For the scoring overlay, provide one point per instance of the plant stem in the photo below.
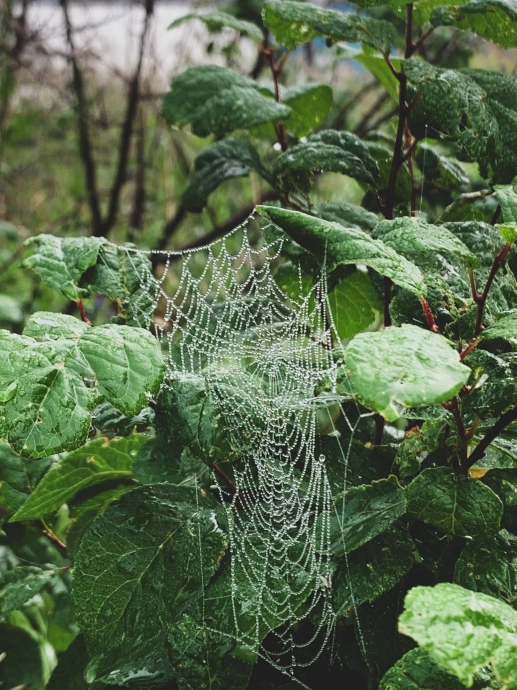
(479, 451)
(82, 312)
(276, 71)
(429, 315)
(481, 299)
(462, 443)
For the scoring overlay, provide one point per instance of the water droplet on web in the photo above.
(322, 458)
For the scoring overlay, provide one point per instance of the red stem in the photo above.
(82, 312)
(429, 315)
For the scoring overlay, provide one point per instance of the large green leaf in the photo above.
(416, 240)
(161, 462)
(505, 327)
(493, 20)
(310, 103)
(19, 585)
(457, 505)
(216, 21)
(491, 567)
(338, 245)
(443, 171)
(363, 512)
(69, 672)
(222, 161)
(48, 389)
(398, 368)
(61, 262)
(417, 671)
(372, 569)
(507, 197)
(503, 482)
(463, 631)
(294, 24)
(346, 214)
(354, 305)
(94, 463)
(18, 477)
(202, 659)
(418, 443)
(216, 100)
(328, 151)
(153, 550)
(474, 108)
(24, 665)
(378, 66)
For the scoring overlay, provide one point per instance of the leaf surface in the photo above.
(456, 505)
(354, 305)
(294, 24)
(222, 161)
(417, 671)
(493, 20)
(400, 368)
(19, 585)
(216, 100)
(339, 245)
(364, 512)
(216, 21)
(443, 618)
(94, 463)
(145, 547)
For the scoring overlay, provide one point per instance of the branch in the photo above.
(481, 299)
(127, 130)
(276, 71)
(479, 451)
(85, 146)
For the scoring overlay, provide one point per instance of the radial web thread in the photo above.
(269, 362)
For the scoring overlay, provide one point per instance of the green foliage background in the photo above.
(376, 141)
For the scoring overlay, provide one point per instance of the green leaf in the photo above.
(216, 100)
(493, 20)
(354, 305)
(469, 207)
(416, 240)
(383, 155)
(19, 585)
(126, 277)
(503, 482)
(489, 567)
(95, 463)
(474, 108)
(447, 621)
(372, 569)
(328, 151)
(216, 21)
(160, 462)
(443, 171)
(364, 512)
(378, 67)
(347, 215)
(45, 325)
(417, 671)
(24, 664)
(69, 672)
(17, 478)
(222, 161)
(505, 327)
(10, 310)
(483, 240)
(418, 443)
(145, 548)
(202, 659)
(507, 197)
(456, 505)
(87, 506)
(61, 262)
(310, 103)
(339, 245)
(48, 389)
(294, 24)
(107, 419)
(404, 367)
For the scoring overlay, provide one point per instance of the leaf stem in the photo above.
(481, 299)
(429, 315)
(82, 312)
(276, 71)
(479, 451)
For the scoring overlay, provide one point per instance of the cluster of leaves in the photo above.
(107, 487)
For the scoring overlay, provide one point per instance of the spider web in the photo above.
(270, 364)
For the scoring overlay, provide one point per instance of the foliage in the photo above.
(115, 565)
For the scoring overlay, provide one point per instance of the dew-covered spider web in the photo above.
(269, 363)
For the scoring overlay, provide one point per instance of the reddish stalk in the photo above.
(429, 315)
(481, 299)
(82, 312)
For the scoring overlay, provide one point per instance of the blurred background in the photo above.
(84, 149)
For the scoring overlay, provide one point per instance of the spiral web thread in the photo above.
(268, 361)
